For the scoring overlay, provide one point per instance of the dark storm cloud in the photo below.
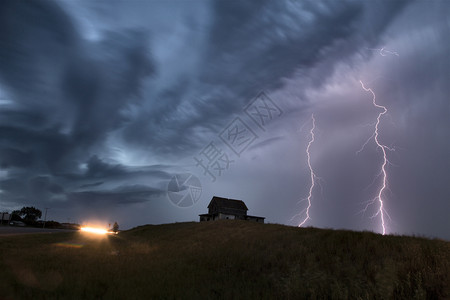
(122, 195)
(75, 92)
(33, 36)
(71, 93)
(253, 46)
(63, 84)
(68, 94)
(67, 190)
(100, 89)
(266, 142)
(13, 157)
(102, 101)
(91, 184)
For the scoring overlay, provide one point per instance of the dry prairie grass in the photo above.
(224, 260)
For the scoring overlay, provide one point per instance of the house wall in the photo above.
(222, 216)
(232, 211)
(208, 218)
(255, 219)
(213, 209)
(226, 216)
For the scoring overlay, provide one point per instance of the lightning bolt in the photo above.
(379, 198)
(384, 52)
(311, 171)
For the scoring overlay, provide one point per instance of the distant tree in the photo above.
(115, 227)
(52, 224)
(30, 214)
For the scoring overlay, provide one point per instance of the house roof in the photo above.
(228, 203)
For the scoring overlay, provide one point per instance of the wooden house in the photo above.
(228, 209)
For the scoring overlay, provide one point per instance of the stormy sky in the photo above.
(140, 111)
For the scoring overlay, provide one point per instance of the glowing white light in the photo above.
(384, 52)
(94, 230)
(381, 211)
(311, 171)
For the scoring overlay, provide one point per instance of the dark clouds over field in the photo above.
(102, 102)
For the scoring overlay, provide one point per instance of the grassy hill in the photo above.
(224, 260)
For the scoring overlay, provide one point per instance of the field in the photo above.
(224, 260)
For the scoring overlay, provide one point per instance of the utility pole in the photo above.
(45, 217)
